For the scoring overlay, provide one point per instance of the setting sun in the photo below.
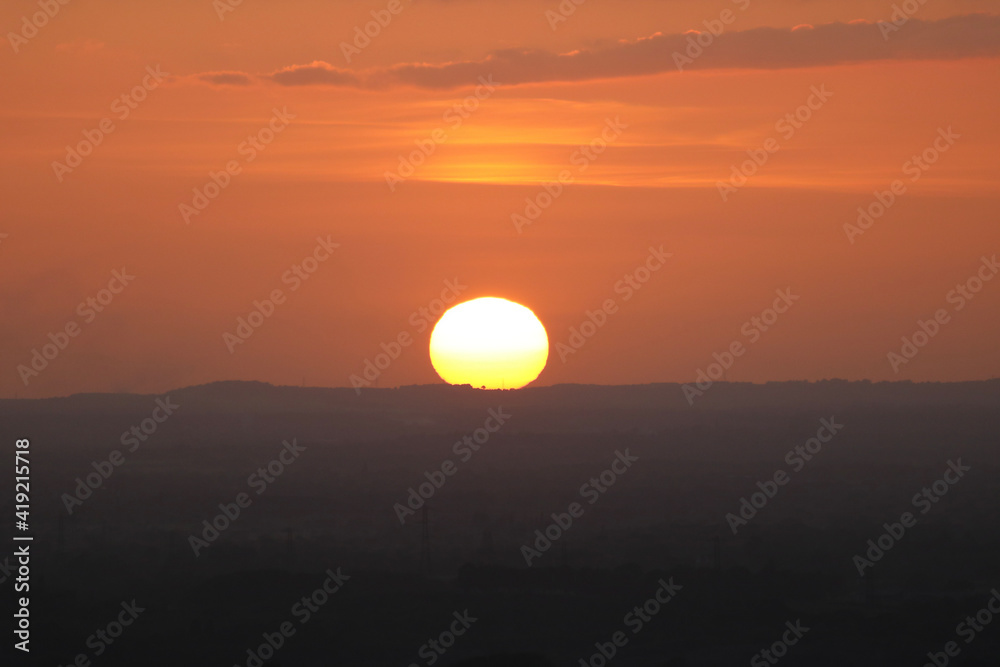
(489, 342)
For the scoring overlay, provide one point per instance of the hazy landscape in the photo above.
(336, 512)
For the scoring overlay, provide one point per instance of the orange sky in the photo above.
(892, 92)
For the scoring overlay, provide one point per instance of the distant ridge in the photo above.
(243, 396)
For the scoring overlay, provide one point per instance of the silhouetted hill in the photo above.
(656, 481)
(237, 396)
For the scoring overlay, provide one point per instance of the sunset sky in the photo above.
(644, 129)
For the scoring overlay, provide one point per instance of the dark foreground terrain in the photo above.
(682, 535)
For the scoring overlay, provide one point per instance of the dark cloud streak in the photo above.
(975, 35)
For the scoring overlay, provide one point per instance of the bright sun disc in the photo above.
(489, 342)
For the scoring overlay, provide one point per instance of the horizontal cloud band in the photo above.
(975, 35)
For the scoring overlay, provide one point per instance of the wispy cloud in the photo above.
(316, 73)
(226, 78)
(976, 35)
